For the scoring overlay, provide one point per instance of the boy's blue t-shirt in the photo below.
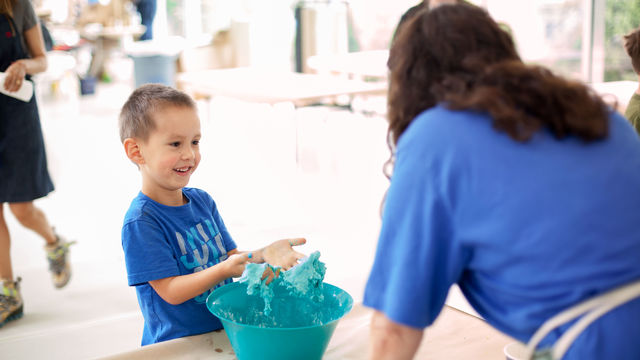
(161, 241)
(525, 229)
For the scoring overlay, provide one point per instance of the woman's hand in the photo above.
(36, 63)
(235, 264)
(15, 75)
(281, 253)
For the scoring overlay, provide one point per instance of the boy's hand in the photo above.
(235, 264)
(270, 275)
(281, 253)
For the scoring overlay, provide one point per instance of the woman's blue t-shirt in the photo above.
(161, 241)
(525, 229)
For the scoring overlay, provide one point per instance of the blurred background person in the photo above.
(632, 46)
(24, 176)
(147, 11)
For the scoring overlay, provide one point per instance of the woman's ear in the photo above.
(132, 149)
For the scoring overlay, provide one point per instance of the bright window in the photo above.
(621, 17)
(546, 32)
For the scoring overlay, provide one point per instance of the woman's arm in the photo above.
(392, 341)
(35, 46)
(177, 289)
(36, 64)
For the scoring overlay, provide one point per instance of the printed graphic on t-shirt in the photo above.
(201, 247)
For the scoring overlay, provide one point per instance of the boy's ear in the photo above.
(132, 149)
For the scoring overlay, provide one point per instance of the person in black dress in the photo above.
(24, 176)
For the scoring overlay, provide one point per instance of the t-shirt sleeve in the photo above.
(148, 254)
(416, 260)
(635, 121)
(632, 113)
(29, 18)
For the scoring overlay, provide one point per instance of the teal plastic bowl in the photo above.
(295, 329)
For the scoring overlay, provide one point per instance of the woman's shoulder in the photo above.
(453, 117)
(623, 127)
(440, 125)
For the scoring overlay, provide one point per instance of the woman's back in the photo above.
(517, 184)
(541, 224)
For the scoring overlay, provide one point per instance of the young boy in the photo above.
(177, 248)
(632, 45)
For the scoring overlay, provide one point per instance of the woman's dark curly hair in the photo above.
(459, 56)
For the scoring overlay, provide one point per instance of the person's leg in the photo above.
(33, 218)
(11, 305)
(147, 10)
(6, 271)
(10, 299)
(57, 247)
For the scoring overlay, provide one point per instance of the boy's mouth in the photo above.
(183, 170)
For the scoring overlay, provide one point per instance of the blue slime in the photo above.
(296, 298)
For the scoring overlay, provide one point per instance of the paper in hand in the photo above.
(24, 93)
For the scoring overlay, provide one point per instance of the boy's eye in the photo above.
(175, 144)
(196, 142)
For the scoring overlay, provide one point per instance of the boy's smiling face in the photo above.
(171, 154)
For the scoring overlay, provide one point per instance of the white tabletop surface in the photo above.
(361, 64)
(268, 86)
(454, 335)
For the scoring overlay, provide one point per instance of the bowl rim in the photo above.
(236, 284)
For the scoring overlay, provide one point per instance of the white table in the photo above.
(454, 335)
(262, 85)
(268, 86)
(356, 65)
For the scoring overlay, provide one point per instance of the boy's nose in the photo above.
(189, 153)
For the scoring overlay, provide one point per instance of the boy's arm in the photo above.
(177, 289)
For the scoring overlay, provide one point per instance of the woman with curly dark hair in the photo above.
(632, 46)
(518, 185)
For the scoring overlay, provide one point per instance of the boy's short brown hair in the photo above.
(136, 116)
(632, 46)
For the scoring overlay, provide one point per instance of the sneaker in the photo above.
(58, 264)
(10, 301)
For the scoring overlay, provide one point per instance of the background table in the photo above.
(356, 65)
(268, 86)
